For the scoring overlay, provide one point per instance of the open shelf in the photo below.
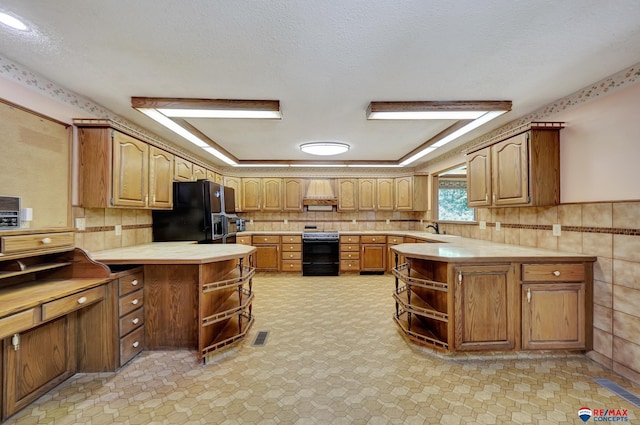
(402, 272)
(419, 331)
(232, 279)
(229, 308)
(234, 331)
(17, 268)
(418, 305)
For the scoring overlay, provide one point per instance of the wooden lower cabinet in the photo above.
(291, 253)
(373, 255)
(486, 300)
(267, 257)
(44, 358)
(349, 253)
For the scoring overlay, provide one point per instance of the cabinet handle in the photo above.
(373, 239)
(529, 295)
(46, 241)
(82, 300)
(494, 198)
(459, 278)
(135, 302)
(135, 321)
(15, 341)
(134, 282)
(556, 273)
(486, 197)
(290, 265)
(135, 344)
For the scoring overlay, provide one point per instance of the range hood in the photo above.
(320, 195)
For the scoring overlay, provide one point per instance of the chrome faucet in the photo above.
(434, 226)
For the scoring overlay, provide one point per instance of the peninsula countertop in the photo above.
(172, 253)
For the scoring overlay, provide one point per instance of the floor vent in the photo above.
(617, 389)
(261, 339)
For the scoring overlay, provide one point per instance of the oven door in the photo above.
(320, 257)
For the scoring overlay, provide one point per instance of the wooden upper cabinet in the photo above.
(183, 170)
(251, 193)
(523, 170)
(236, 184)
(272, 194)
(479, 178)
(293, 194)
(404, 193)
(347, 194)
(385, 194)
(367, 194)
(131, 171)
(214, 177)
(160, 178)
(199, 172)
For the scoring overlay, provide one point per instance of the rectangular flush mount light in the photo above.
(210, 108)
(434, 110)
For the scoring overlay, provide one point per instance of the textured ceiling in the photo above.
(324, 60)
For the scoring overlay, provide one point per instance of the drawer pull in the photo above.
(373, 239)
(291, 265)
(135, 344)
(556, 273)
(15, 341)
(135, 302)
(134, 282)
(46, 241)
(529, 295)
(82, 300)
(135, 321)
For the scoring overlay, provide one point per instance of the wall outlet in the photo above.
(353, 221)
(286, 221)
(118, 229)
(483, 225)
(251, 221)
(81, 223)
(557, 230)
(388, 221)
(498, 226)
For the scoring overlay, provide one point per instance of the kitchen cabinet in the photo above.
(214, 177)
(267, 256)
(271, 194)
(522, 170)
(236, 184)
(130, 314)
(411, 193)
(199, 172)
(293, 194)
(391, 258)
(385, 194)
(183, 170)
(349, 253)
(251, 194)
(486, 300)
(554, 306)
(291, 253)
(373, 254)
(115, 170)
(347, 194)
(367, 195)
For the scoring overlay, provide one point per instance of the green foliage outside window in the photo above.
(452, 201)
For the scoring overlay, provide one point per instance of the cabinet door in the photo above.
(267, 257)
(485, 307)
(272, 194)
(44, 358)
(404, 193)
(160, 178)
(236, 184)
(385, 194)
(367, 194)
(130, 171)
(373, 257)
(251, 191)
(292, 198)
(347, 194)
(479, 178)
(183, 171)
(199, 172)
(553, 316)
(511, 171)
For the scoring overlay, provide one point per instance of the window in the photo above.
(452, 196)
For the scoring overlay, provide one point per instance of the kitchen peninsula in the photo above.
(472, 295)
(196, 296)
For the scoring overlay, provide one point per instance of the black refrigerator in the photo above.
(197, 214)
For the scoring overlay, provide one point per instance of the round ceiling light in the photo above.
(324, 148)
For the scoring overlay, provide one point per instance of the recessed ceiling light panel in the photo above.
(324, 148)
(12, 22)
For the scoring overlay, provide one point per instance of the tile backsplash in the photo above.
(100, 228)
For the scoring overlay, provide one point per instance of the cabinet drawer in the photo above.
(347, 265)
(20, 243)
(553, 272)
(131, 302)
(291, 265)
(395, 239)
(350, 247)
(72, 302)
(293, 247)
(243, 240)
(130, 283)
(269, 239)
(292, 239)
(17, 323)
(131, 321)
(292, 255)
(373, 239)
(349, 239)
(131, 345)
(355, 255)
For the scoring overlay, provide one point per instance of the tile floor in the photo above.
(333, 356)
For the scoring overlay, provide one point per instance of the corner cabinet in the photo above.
(520, 170)
(236, 184)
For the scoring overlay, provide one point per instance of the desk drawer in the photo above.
(130, 302)
(131, 321)
(553, 272)
(131, 345)
(17, 323)
(130, 283)
(72, 302)
(20, 243)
